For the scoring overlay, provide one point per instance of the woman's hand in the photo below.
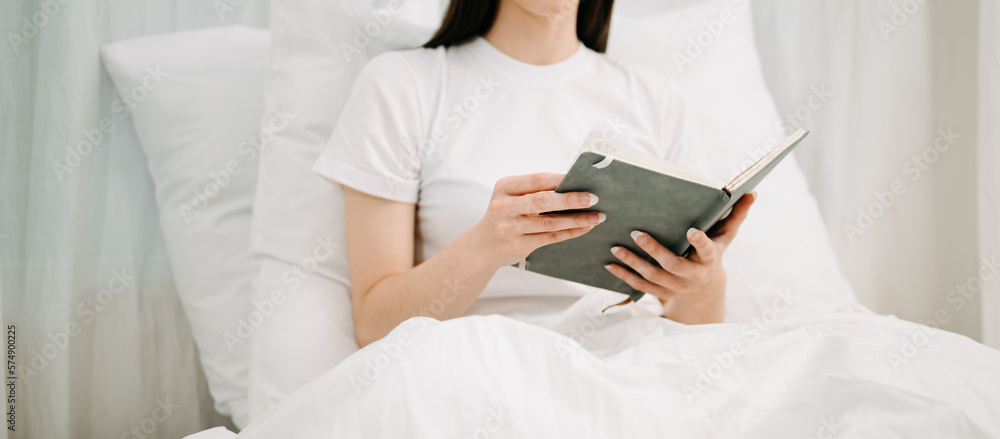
(692, 289)
(512, 227)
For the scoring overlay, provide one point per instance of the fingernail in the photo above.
(692, 234)
(754, 193)
(600, 217)
(607, 267)
(615, 250)
(592, 200)
(638, 237)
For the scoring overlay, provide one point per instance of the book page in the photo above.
(619, 151)
(771, 155)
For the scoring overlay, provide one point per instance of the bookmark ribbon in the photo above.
(604, 163)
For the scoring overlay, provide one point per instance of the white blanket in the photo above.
(851, 374)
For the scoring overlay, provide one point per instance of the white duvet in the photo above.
(851, 374)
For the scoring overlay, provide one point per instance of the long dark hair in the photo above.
(467, 19)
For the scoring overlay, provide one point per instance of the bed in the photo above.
(797, 356)
(831, 375)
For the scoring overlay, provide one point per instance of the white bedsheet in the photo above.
(849, 374)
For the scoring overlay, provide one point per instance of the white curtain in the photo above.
(915, 223)
(988, 178)
(90, 363)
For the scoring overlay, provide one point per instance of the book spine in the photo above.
(711, 216)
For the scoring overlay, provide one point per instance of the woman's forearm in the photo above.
(387, 289)
(442, 287)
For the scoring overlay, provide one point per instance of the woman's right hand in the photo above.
(512, 227)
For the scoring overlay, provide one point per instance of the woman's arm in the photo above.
(386, 287)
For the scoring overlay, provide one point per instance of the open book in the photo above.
(640, 192)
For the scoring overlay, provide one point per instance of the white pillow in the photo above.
(318, 48)
(197, 99)
(782, 253)
(308, 333)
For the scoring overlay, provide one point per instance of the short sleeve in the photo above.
(680, 135)
(373, 147)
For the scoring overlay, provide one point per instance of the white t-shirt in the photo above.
(439, 127)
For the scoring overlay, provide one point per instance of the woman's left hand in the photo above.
(692, 289)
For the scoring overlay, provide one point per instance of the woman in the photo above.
(446, 155)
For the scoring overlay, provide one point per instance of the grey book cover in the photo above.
(640, 192)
